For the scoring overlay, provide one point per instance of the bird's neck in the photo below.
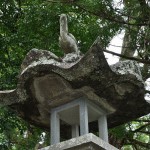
(63, 28)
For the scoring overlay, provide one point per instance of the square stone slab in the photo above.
(85, 142)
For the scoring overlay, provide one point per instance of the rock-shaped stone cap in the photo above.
(47, 81)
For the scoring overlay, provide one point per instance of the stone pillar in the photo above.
(55, 127)
(103, 129)
(84, 128)
(75, 131)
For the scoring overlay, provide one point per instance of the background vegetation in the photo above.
(27, 24)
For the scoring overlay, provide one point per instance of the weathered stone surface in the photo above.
(127, 67)
(38, 55)
(85, 142)
(8, 97)
(47, 81)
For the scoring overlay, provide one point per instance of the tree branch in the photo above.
(146, 91)
(148, 133)
(146, 145)
(142, 120)
(143, 3)
(102, 14)
(61, 1)
(142, 127)
(127, 57)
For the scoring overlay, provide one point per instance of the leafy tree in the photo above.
(27, 24)
(133, 135)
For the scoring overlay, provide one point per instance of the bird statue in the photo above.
(67, 41)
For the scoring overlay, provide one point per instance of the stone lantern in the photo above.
(78, 113)
(83, 92)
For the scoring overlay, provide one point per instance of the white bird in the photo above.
(67, 41)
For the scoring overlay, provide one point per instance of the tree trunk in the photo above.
(129, 41)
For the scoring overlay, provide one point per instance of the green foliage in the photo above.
(119, 131)
(35, 24)
(134, 135)
(31, 24)
(16, 134)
